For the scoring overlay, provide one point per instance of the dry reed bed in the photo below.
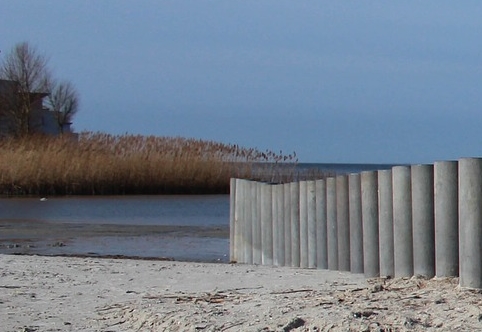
(106, 164)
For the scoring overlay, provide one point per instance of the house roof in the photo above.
(5, 84)
(35, 95)
(10, 85)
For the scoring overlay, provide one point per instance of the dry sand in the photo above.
(92, 294)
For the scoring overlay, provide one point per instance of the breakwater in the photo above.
(408, 220)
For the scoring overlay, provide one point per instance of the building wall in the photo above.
(42, 120)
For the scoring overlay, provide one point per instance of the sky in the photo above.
(333, 81)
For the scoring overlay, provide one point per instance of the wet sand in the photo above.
(191, 243)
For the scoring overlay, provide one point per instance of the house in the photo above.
(44, 121)
(41, 120)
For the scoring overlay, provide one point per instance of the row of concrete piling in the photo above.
(409, 220)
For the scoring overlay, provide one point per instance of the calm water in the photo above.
(177, 227)
(207, 210)
(192, 228)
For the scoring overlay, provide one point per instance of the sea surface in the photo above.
(184, 228)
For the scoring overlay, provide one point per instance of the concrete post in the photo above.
(281, 225)
(446, 219)
(303, 225)
(423, 220)
(275, 225)
(311, 206)
(343, 221)
(295, 223)
(356, 228)
(266, 224)
(256, 215)
(287, 222)
(321, 245)
(232, 223)
(470, 222)
(385, 223)
(371, 254)
(248, 222)
(332, 229)
(239, 220)
(402, 221)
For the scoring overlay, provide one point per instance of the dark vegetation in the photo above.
(27, 86)
(103, 164)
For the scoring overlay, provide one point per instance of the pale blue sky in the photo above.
(335, 81)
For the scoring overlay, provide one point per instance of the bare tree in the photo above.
(27, 73)
(63, 100)
(8, 103)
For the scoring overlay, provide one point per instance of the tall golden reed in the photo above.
(106, 164)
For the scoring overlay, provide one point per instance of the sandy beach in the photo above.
(39, 293)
